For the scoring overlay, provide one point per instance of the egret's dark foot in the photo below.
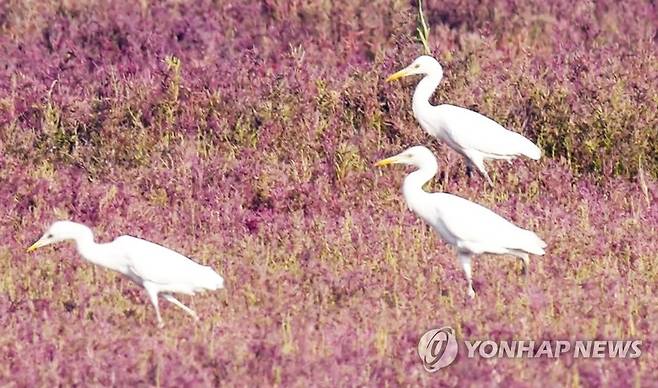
(525, 261)
(469, 171)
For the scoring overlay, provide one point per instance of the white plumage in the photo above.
(471, 228)
(152, 266)
(476, 137)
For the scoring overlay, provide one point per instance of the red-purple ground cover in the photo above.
(243, 134)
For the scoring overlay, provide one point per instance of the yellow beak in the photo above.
(386, 162)
(398, 75)
(34, 246)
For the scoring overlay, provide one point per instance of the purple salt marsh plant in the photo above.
(255, 155)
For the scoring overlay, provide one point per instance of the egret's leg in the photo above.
(478, 162)
(465, 260)
(175, 301)
(486, 176)
(153, 295)
(525, 260)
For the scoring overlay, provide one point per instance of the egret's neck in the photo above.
(413, 183)
(424, 91)
(99, 254)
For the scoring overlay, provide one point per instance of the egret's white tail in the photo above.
(531, 150)
(520, 145)
(534, 244)
(211, 280)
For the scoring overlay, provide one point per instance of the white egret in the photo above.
(471, 228)
(476, 137)
(152, 266)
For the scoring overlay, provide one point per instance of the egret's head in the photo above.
(60, 231)
(422, 65)
(418, 156)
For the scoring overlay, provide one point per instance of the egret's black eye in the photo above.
(50, 235)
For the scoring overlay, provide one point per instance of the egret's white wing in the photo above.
(476, 226)
(470, 130)
(157, 264)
